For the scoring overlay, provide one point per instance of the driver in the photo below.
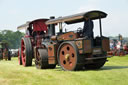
(88, 28)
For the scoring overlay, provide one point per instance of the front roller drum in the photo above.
(69, 58)
(26, 51)
(41, 60)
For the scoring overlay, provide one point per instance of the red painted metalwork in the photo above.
(39, 40)
(23, 55)
(39, 25)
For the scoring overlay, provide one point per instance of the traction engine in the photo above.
(70, 50)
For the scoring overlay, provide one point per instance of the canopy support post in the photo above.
(100, 25)
(60, 27)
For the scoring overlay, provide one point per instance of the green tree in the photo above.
(12, 38)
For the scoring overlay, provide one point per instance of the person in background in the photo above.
(118, 45)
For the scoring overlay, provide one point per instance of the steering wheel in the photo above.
(80, 30)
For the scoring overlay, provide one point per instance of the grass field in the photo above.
(115, 72)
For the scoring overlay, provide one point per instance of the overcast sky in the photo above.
(16, 12)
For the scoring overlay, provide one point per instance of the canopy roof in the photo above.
(36, 23)
(78, 17)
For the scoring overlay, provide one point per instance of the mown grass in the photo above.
(115, 72)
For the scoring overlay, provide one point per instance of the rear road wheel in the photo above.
(26, 52)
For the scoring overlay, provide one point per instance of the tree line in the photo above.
(12, 38)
